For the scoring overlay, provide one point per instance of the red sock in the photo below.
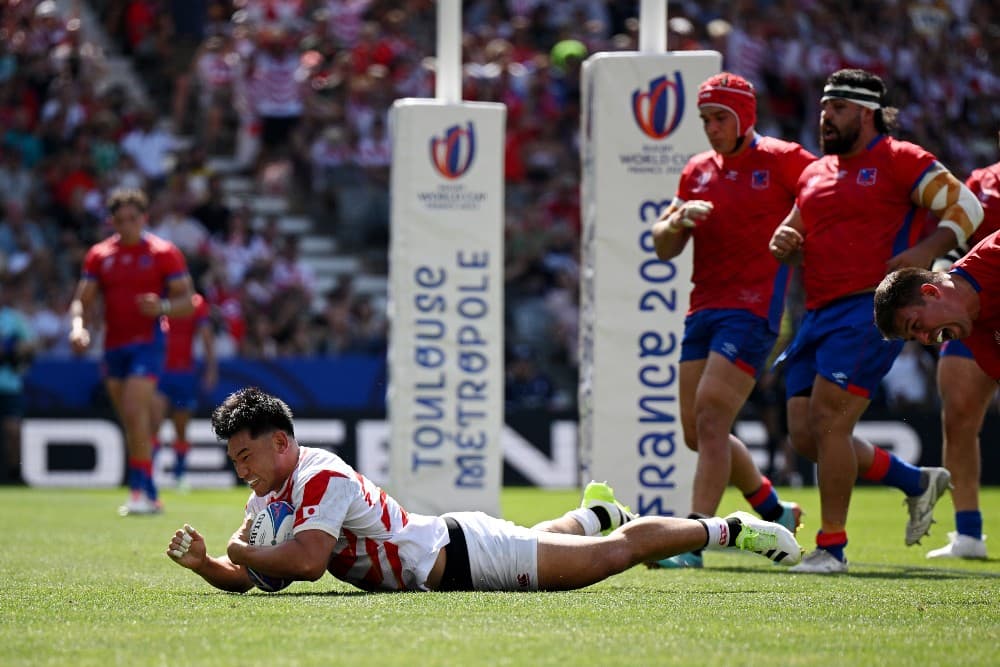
(879, 467)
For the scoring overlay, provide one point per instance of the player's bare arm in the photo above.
(179, 301)
(304, 557)
(673, 229)
(786, 242)
(86, 294)
(187, 548)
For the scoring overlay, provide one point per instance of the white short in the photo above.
(502, 555)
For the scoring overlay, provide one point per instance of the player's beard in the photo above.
(843, 140)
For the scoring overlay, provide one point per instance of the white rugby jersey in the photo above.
(380, 546)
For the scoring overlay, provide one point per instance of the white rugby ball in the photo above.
(272, 526)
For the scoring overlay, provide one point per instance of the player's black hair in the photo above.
(252, 410)
(900, 289)
(885, 118)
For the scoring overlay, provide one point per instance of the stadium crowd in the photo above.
(295, 94)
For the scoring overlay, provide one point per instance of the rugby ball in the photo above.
(271, 526)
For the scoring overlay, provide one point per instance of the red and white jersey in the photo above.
(857, 213)
(380, 546)
(985, 184)
(344, 20)
(122, 273)
(751, 194)
(981, 267)
(217, 70)
(276, 85)
(180, 336)
(285, 12)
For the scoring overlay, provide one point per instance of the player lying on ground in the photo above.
(346, 525)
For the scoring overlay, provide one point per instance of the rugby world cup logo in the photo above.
(658, 111)
(452, 154)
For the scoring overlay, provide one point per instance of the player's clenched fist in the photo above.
(687, 215)
(785, 242)
(187, 547)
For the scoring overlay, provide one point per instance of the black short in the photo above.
(457, 575)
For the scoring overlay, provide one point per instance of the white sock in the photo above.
(718, 532)
(587, 519)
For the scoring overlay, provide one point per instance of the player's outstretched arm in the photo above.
(187, 549)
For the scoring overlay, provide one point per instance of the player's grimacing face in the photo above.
(933, 321)
(839, 126)
(720, 128)
(254, 461)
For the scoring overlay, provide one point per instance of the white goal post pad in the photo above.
(446, 352)
(640, 126)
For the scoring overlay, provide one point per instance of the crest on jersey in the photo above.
(760, 179)
(658, 110)
(867, 176)
(452, 154)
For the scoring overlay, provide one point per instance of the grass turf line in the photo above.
(83, 586)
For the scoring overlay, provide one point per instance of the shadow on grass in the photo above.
(873, 571)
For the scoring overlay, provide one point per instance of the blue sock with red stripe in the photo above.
(181, 449)
(765, 500)
(134, 477)
(140, 477)
(891, 470)
(969, 522)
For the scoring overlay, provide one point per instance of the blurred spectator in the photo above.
(17, 348)
(151, 147)
(16, 181)
(23, 242)
(527, 386)
(295, 94)
(275, 88)
(213, 212)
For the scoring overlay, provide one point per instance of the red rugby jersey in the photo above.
(123, 273)
(981, 266)
(857, 214)
(180, 336)
(985, 184)
(751, 194)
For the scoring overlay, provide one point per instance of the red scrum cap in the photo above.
(732, 93)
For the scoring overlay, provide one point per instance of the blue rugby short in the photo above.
(180, 388)
(138, 360)
(738, 335)
(841, 343)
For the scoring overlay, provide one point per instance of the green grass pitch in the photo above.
(82, 586)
